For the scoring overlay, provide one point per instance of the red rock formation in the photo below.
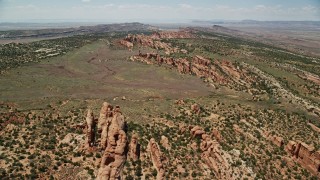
(217, 135)
(162, 45)
(169, 61)
(229, 69)
(289, 161)
(106, 120)
(197, 131)
(212, 154)
(222, 72)
(134, 148)
(305, 155)
(182, 128)
(202, 67)
(154, 40)
(314, 127)
(199, 66)
(290, 147)
(156, 157)
(115, 153)
(165, 142)
(309, 76)
(235, 73)
(200, 71)
(142, 40)
(276, 140)
(195, 108)
(127, 44)
(90, 124)
(201, 61)
(180, 102)
(103, 115)
(149, 58)
(182, 65)
(114, 156)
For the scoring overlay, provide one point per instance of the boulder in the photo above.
(182, 128)
(165, 142)
(197, 131)
(195, 108)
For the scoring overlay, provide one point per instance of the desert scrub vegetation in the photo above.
(16, 54)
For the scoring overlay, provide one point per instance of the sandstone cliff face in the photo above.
(182, 65)
(156, 158)
(305, 155)
(224, 72)
(201, 61)
(140, 40)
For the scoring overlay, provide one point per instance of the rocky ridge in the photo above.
(221, 72)
(238, 76)
(154, 40)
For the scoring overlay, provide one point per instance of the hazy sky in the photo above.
(160, 10)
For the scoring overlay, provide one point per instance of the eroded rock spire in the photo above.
(90, 124)
(114, 143)
(156, 157)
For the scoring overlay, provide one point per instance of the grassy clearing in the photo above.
(94, 72)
